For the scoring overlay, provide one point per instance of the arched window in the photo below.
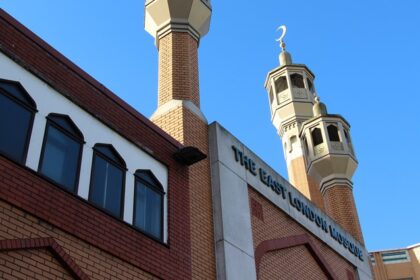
(333, 133)
(148, 204)
(297, 81)
(17, 110)
(281, 84)
(61, 151)
(107, 179)
(316, 136)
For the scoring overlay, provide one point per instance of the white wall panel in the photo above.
(49, 101)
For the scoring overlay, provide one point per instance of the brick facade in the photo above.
(48, 233)
(32, 207)
(33, 54)
(282, 262)
(31, 264)
(407, 268)
(178, 68)
(178, 80)
(339, 205)
(42, 264)
(296, 260)
(300, 179)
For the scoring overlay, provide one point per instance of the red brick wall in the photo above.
(113, 247)
(93, 261)
(47, 64)
(31, 264)
(178, 68)
(304, 183)
(178, 79)
(294, 260)
(31, 207)
(284, 262)
(340, 205)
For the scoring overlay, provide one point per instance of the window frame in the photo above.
(122, 167)
(277, 84)
(333, 134)
(294, 77)
(392, 257)
(314, 138)
(32, 109)
(50, 122)
(160, 190)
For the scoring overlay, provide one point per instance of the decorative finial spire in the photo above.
(319, 108)
(285, 57)
(282, 44)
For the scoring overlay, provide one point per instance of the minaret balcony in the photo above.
(291, 94)
(327, 147)
(164, 16)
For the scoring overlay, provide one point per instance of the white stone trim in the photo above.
(176, 25)
(94, 131)
(231, 224)
(175, 103)
(332, 181)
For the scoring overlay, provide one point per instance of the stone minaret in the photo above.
(177, 26)
(291, 95)
(331, 161)
(317, 146)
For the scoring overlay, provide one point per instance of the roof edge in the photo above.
(86, 77)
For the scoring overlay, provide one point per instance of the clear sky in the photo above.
(365, 55)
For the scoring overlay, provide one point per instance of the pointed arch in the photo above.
(46, 243)
(292, 241)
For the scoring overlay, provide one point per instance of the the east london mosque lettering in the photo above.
(295, 202)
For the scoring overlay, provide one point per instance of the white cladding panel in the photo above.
(49, 101)
(228, 175)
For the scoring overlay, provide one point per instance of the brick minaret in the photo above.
(331, 162)
(291, 94)
(177, 26)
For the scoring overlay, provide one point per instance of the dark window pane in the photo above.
(60, 160)
(109, 152)
(333, 133)
(148, 211)
(66, 123)
(107, 185)
(297, 81)
(16, 90)
(15, 123)
(149, 178)
(317, 136)
(281, 84)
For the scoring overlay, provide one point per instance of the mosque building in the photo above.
(92, 189)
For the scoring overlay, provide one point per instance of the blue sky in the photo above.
(365, 55)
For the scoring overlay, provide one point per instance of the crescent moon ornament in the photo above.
(280, 39)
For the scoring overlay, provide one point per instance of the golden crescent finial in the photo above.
(280, 39)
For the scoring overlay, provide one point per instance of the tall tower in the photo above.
(177, 26)
(291, 93)
(317, 146)
(331, 161)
